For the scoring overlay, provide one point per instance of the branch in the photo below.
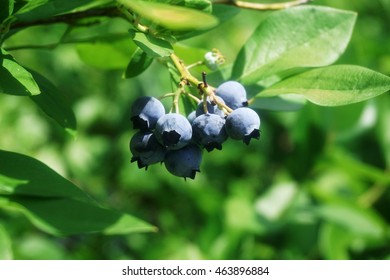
(70, 18)
(188, 79)
(262, 6)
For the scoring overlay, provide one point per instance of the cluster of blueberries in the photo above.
(178, 141)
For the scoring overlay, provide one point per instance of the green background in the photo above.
(316, 185)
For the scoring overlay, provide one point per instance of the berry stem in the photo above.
(205, 104)
(197, 100)
(220, 104)
(200, 62)
(185, 74)
(204, 89)
(250, 101)
(204, 79)
(170, 94)
(175, 102)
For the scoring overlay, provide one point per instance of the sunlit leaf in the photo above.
(25, 176)
(53, 203)
(169, 16)
(152, 46)
(304, 36)
(333, 85)
(14, 78)
(68, 216)
(108, 53)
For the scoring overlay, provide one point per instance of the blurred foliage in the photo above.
(316, 186)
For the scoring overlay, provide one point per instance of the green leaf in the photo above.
(15, 79)
(357, 168)
(6, 9)
(334, 242)
(171, 17)
(53, 104)
(304, 36)
(224, 12)
(382, 127)
(54, 204)
(360, 222)
(274, 204)
(5, 245)
(33, 245)
(200, 5)
(64, 216)
(25, 176)
(152, 46)
(139, 62)
(221, 12)
(333, 85)
(287, 102)
(106, 53)
(240, 215)
(40, 9)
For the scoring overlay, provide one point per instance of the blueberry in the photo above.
(184, 162)
(145, 112)
(212, 108)
(145, 149)
(191, 117)
(173, 131)
(233, 93)
(209, 131)
(243, 124)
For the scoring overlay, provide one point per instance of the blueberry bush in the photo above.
(275, 114)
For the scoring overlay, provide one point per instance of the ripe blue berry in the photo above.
(173, 131)
(145, 112)
(209, 131)
(212, 108)
(233, 93)
(184, 162)
(243, 124)
(191, 117)
(145, 149)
